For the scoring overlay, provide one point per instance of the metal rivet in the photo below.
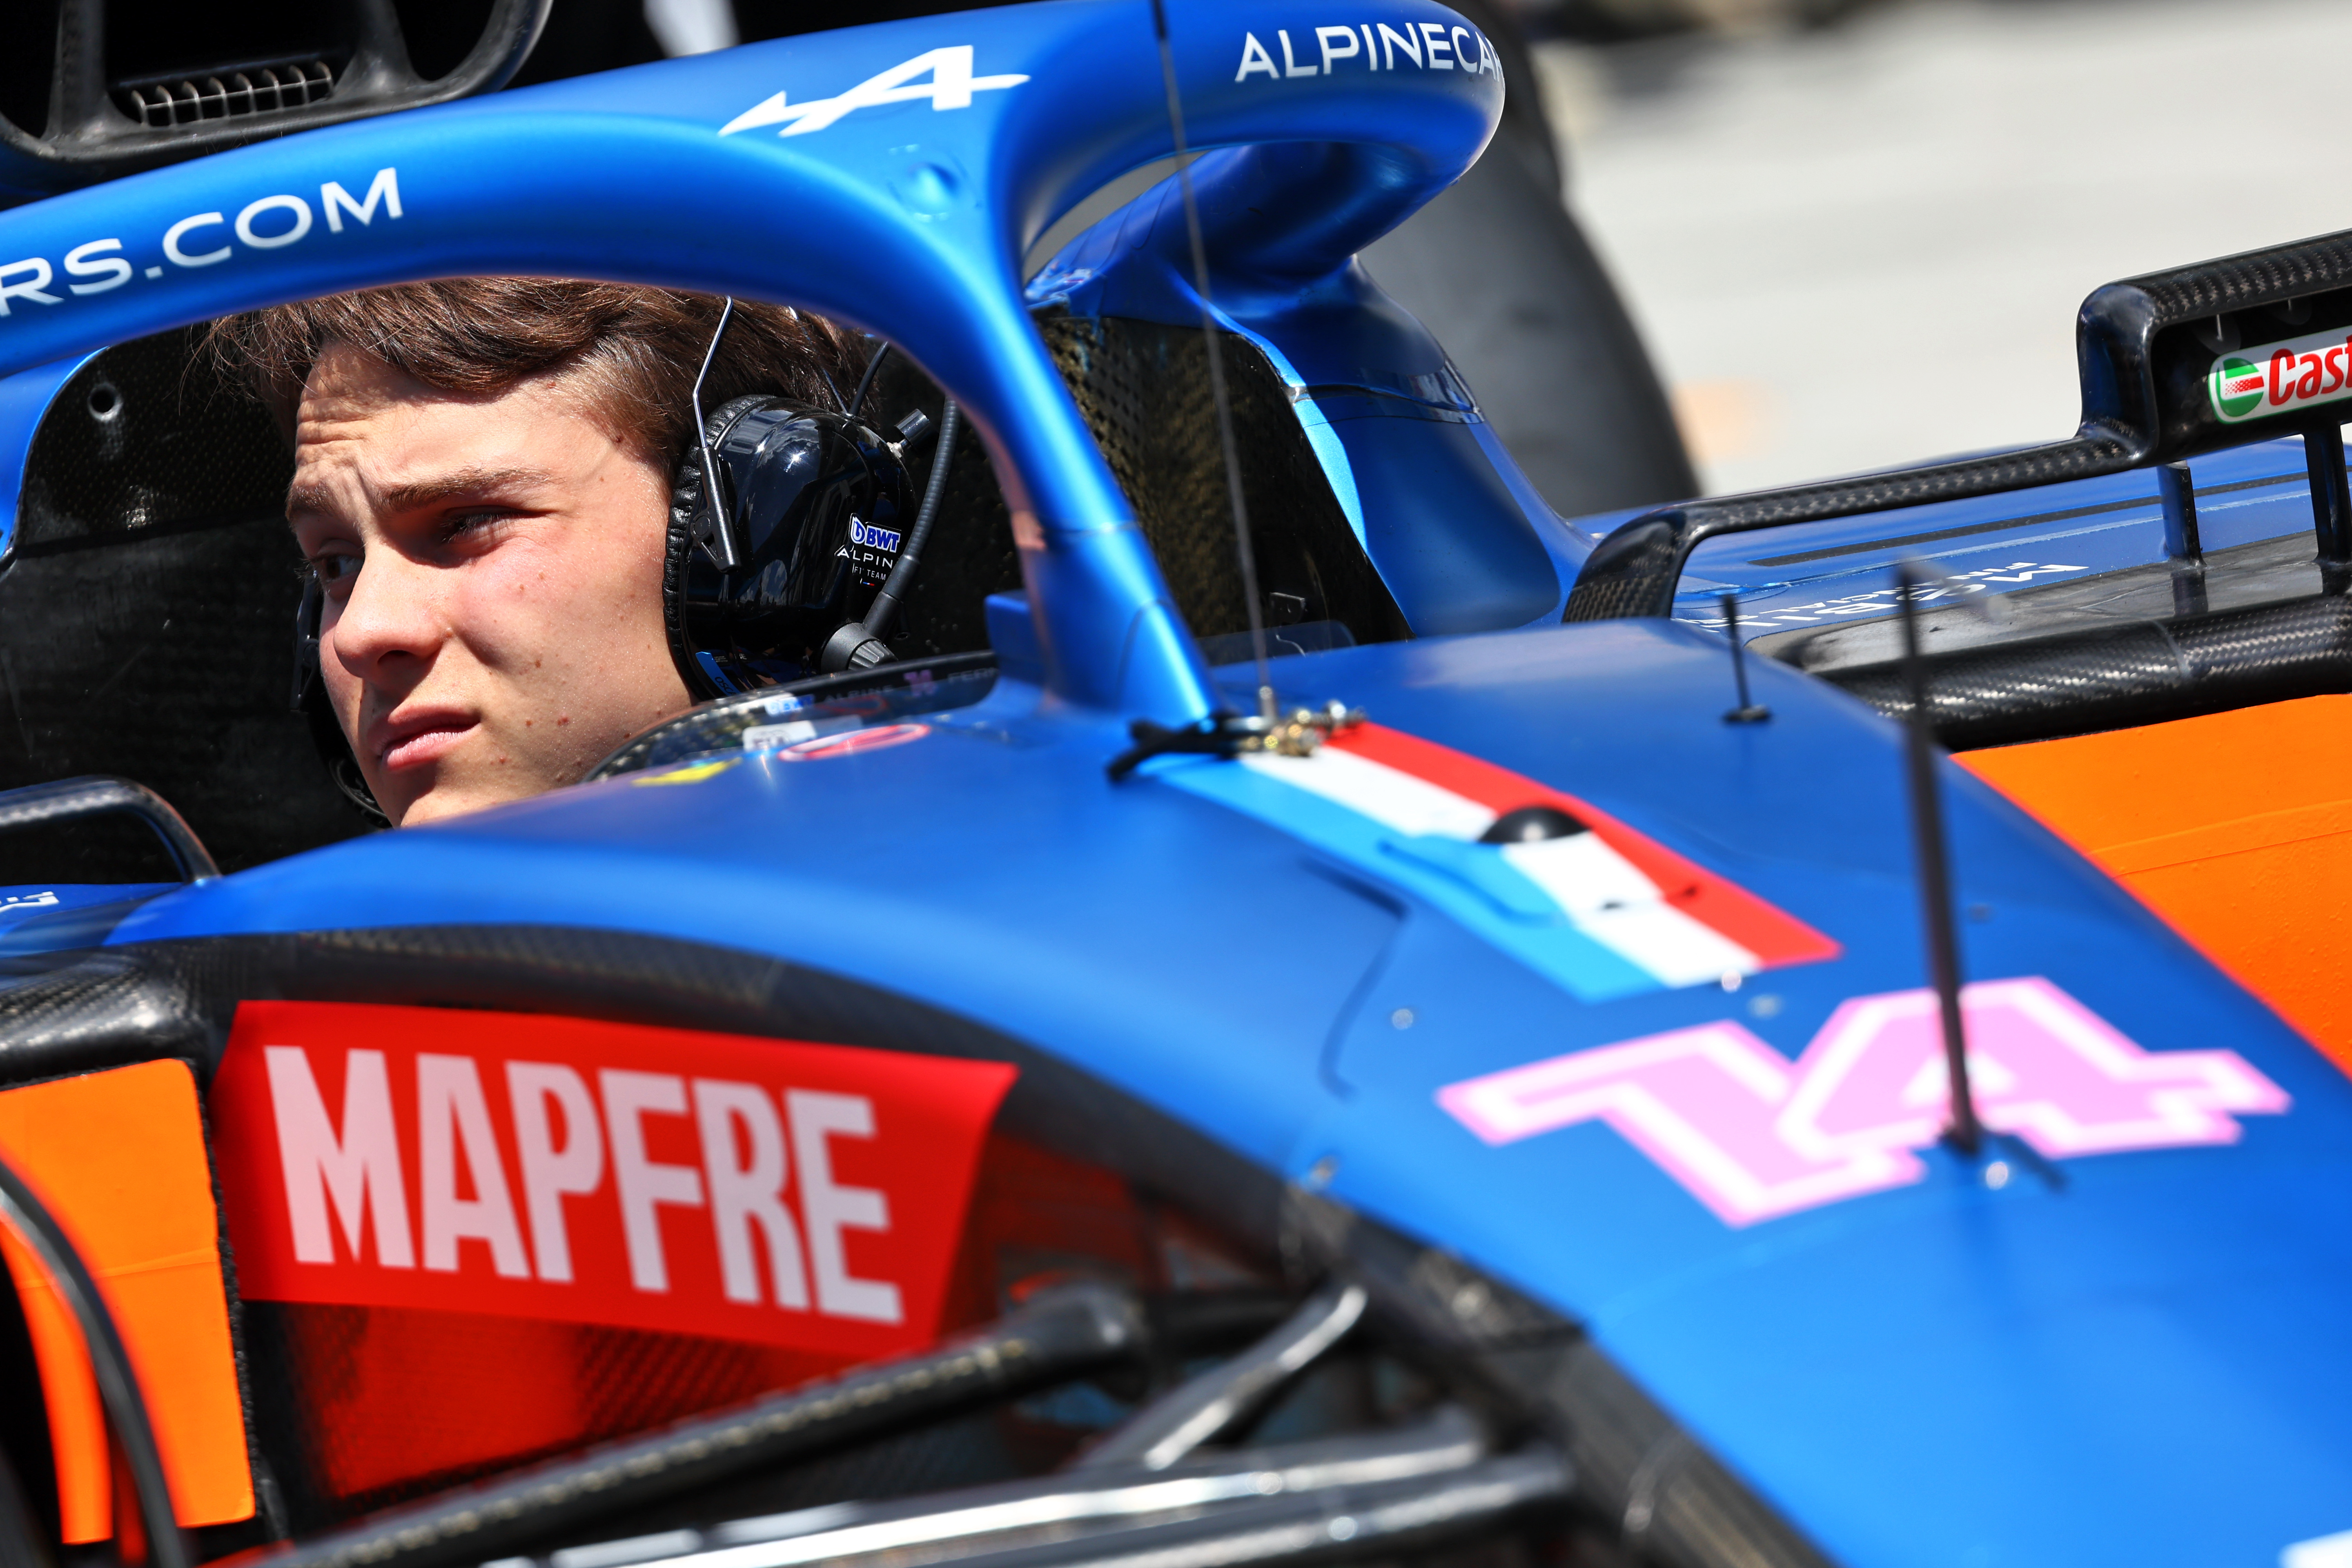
(1319, 1175)
(1764, 1006)
(1997, 1174)
(1402, 1017)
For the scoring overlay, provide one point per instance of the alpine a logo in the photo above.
(942, 76)
(2279, 376)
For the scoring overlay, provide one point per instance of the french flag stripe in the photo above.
(1362, 813)
(1737, 916)
(1603, 914)
(1604, 898)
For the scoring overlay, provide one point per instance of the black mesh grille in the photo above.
(146, 619)
(970, 553)
(145, 440)
(1144, 390)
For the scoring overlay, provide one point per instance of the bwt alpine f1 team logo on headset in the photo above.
(950, 85)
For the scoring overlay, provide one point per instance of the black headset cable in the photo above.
(865, 382)
(885, 608)
(859, 645)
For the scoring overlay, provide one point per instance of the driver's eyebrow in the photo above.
(302, 501)
(417, 494)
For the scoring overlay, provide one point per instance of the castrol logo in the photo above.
(2275, 377)
(781, 1192)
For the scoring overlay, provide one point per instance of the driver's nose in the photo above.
(392, 623)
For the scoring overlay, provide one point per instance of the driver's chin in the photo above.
(474, 774)
(442, 791)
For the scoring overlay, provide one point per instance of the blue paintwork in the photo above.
(45, 916)
(1910, 1376)
(2147, 1368)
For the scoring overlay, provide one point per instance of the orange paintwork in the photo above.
(119, 1158)
(2235, 827)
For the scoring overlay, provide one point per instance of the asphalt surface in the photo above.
(1865, 245)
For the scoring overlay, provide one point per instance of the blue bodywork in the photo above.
(2146, 1366)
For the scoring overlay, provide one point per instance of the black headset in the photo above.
(793, 536)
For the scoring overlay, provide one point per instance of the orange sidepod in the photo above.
(119, 1158)
(2235, 827)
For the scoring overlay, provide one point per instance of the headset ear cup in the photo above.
(684, 509)
(678, 553)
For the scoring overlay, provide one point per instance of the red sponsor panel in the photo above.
(810, 1196)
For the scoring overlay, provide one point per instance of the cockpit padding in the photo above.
(146, 620)
(147, 597)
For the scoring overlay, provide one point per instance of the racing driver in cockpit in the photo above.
(482, 485)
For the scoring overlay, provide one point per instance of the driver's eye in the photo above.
(335, 568)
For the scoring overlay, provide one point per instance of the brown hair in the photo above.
(633, 350)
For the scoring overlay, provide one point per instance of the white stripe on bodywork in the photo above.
(1601, 892)
(1397, 801)
(1611, 900)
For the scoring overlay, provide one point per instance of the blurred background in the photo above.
(1855, 236)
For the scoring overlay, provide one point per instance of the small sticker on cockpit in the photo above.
(827, 746)
(693, 772)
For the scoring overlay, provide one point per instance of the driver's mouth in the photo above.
(416, 740)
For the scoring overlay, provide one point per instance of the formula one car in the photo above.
(1522, 1080)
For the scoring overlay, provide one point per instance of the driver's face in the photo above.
(493, 574)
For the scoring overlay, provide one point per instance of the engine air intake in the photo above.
(160, 101)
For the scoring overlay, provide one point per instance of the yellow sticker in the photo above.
(693, 772)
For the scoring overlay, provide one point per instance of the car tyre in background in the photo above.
(1500, 272)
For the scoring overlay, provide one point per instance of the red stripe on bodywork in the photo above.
(1740, 916)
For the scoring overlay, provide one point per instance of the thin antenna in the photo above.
(1965, 1133)
(1747, 712)
(718, 539)
(1216, 363)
